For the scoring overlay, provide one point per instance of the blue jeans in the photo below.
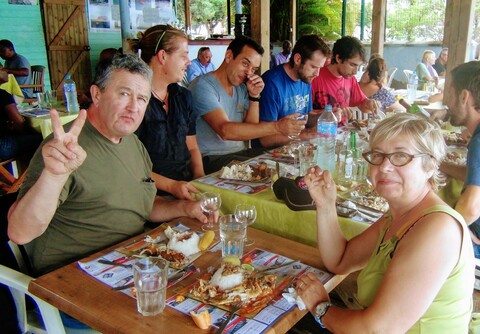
(13, 145)
(475, 228)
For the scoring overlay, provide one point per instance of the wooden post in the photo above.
(457, 34)
(378, 26)
(188, 24)
(260, 27)
(293, 21)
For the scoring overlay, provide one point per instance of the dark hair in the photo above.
(108, 53)
(156, 38)
(467, 76)
(5, 43)
(127, 62)
(348, 47)
(306, 47)
(236, 46)
(377, 70)
(203, 48)
(286, 43)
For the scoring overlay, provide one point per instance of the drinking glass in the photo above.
(232, 236)
(210, 203)
(150, 277)
(246, 213)
(51, 98)
(293, 152)
(300, 117)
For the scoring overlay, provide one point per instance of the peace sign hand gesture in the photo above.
(62, 155)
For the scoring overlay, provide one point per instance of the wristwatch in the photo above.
(320, 311)
(254, 99)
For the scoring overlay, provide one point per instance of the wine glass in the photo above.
(210, 202)
(246, 213)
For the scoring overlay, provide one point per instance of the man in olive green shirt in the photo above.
(90, 187)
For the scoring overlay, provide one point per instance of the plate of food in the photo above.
(454, 138)
(233, 282)
(251, 171)
(180, 248)
(367, 197)
(456, 156)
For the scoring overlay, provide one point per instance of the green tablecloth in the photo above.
(275, 217)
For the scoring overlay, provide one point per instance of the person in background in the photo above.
(16, 137)
(336, 84)
(104, 59)
(200, 65)
(416, 261)
(464, 110)
(441, 62)
(288, 87)
(17, 65)
(90, 187)
(425, 70)
(375, 89)
(168, 128)
(227, 103)
(284, 56)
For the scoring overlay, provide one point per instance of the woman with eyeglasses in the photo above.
(417, 260)
(168, 128)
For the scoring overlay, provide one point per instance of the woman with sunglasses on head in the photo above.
(417, 261)
(168, 128)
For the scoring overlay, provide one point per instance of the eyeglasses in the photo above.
(159, 40)
(397, 159)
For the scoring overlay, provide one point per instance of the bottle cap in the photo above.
(67, 76)
(328, 107)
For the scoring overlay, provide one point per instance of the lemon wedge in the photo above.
(206, 240)
(231, 259)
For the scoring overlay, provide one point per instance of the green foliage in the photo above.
(209, 12)
(323, 17)
(414, 20)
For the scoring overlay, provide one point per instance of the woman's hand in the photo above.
(312, 291)
(183, 190)
(321, 186)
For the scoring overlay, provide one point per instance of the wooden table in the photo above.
(96, 304)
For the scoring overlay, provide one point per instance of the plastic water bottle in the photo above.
(326, 140)
(412, 86)
(70, 92)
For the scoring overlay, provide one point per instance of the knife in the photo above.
(171, 280)
(113, 263)
(278, 266)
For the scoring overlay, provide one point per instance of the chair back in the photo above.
(38, 75)
(391, 74)
(38, 83)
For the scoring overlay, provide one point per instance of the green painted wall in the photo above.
(102, 40)
(23, 26)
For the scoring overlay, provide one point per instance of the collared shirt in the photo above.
(196, 69)
(164, 134)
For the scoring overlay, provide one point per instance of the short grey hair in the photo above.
(126, 62)
(426, 137)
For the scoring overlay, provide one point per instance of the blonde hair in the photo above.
(156, 38)
(426, 53)
(425, 135)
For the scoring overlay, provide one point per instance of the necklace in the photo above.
(160, 99)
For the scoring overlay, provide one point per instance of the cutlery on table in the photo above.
(113, 263)
(278, 266)
(175, 278)
(235, 308)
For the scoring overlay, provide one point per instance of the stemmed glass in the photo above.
(246, 213)
(210, 202)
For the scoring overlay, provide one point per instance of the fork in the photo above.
(235, 308)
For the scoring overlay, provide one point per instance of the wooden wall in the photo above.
(23, 26)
